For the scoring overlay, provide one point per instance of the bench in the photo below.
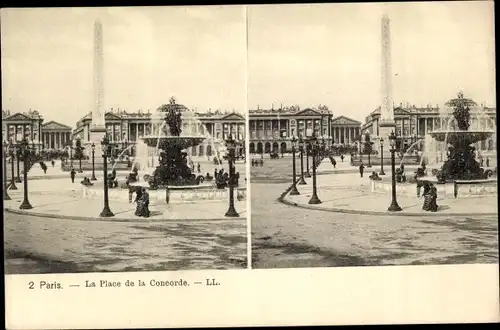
(483, 182)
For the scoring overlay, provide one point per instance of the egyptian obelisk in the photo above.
(386, 122)
(98, 127)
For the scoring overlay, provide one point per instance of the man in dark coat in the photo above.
(361, 169)
(73, 174)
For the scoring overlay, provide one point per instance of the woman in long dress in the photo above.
(138, 201)
(145, 203)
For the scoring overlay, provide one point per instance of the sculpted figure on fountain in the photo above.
(461, 163)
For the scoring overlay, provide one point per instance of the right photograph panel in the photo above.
(372, 134)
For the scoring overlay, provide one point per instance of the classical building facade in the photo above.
(55, 135)
(413, 123)
(345, 130)
(17, 126)
(272, 129)
(126, 129)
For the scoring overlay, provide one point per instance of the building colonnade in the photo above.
(346, 135)
(55, 140)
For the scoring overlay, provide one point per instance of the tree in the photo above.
(368, 147)
(79, 153)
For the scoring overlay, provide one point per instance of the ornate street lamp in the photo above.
(294, 190)
(394, 203)
(301, 148)
(314, 147)
(308, 153)
(18, 157)
(281, 149)
(71, 153)
(230, 144)
(12, 153)
(106, 212)
(78, 149)
(323, 147)
(125, 146)
(6, 196)
(382, 157)
(26, 153)
(93, 178)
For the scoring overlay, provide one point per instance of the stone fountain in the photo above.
(460, 174)
(173, 168)
(459, 138)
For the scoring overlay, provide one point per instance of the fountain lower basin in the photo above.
(458, 189)
(208, 194)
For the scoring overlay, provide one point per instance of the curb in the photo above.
(286, 201)
(133, 220)
(59, 176)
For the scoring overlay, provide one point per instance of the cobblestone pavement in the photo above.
(48, 245)
(287, 236)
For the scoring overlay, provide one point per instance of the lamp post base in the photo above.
(302, 181)
(25, 205)
(307, 175)
(13, 185)
(231, 212)
(294, 191)
(93, 178)
(314, 200)
(18, 180)
(106, 213)
(381, 172)
(394, 207)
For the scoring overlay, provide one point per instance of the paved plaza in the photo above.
(287, 235)
(349, 193)
(64, 233)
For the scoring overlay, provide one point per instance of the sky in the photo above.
(331, 54)
(229, 58)
(196, 54)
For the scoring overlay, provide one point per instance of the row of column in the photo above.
(345, 134)
(55, 140)
(268, 133)
(17, 132)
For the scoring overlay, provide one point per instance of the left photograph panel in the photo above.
(124, 139)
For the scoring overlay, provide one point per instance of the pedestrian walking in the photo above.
(342, 158)
(167, 194)
(73, 174)
(361, 169)
(487, 161)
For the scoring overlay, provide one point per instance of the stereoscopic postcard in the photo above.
(257, 165)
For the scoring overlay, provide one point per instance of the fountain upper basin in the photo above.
(457, 137)
(183, 142)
